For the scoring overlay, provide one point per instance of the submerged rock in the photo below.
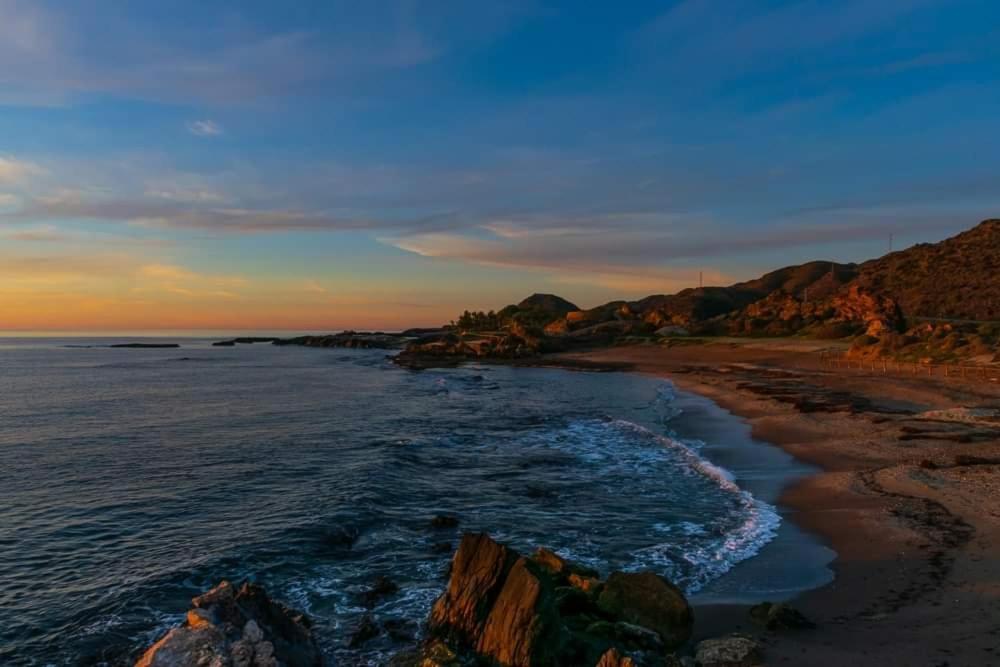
(366, 629)
(382, 587)
(444, 521)
(229, 627)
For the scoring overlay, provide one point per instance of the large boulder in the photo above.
(519, 611)
(230, 627)
(478, 572)
(648, 600)
(498, 604)
(523, 626)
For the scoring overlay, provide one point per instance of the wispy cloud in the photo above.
(44, 234)
(47, 54)
(183, 281)
(204, 128)
(14, 171)
(313, 287)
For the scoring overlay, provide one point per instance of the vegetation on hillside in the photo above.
(925, 303)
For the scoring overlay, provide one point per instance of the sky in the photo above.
(329, 165)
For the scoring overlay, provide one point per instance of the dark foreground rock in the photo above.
(230, 627)
(779, 616)
(732, 651)
(519, 611)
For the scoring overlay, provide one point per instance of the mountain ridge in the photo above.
(931, 301)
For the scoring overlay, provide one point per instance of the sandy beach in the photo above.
(917, 532)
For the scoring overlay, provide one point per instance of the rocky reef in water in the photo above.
(500, 609)
(348, 339)
(237, 627)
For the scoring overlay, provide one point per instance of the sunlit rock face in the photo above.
(521, 611)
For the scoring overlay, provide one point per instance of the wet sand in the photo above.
(917, 537)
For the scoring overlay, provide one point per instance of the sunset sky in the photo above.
(265, 165)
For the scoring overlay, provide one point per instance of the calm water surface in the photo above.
(132, 479)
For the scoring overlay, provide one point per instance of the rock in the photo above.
(252, 632)
(779, 617)
(198, 618)
(399, 629)
(382, 587)
(558, 565)
(433, 653)
(441, 547)
(639, 637)
(242, 653)
(339, 537)
(479, 570)
(444, 521)
(366, 629)
(571, 601)
(239, 627)
(648, 600)
(350, 339)
(188, 647)
(505, 609)
(584, 583)
(732, 651)
(522, 627)
(615, 659)
(263, 655)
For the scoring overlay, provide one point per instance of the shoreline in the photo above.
(764, 471)
(916, 547)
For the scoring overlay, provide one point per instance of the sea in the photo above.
(133, 479)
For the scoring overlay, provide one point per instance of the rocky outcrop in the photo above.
(350, 339)
(520, 611)
(245, 340)
(518, 343)
(230, 627)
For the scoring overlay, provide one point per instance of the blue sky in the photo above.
(326, 165)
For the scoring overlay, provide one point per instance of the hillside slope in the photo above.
(957, 278)
(883, 305)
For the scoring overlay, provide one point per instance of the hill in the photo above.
(548, 303)
(958, 278)
(931, 301)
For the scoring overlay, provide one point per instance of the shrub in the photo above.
(834, 330)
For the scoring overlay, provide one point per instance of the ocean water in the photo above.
(133, 479)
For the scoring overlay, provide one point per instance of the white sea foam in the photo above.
(714, 558)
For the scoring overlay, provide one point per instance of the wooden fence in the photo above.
(886, 366)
